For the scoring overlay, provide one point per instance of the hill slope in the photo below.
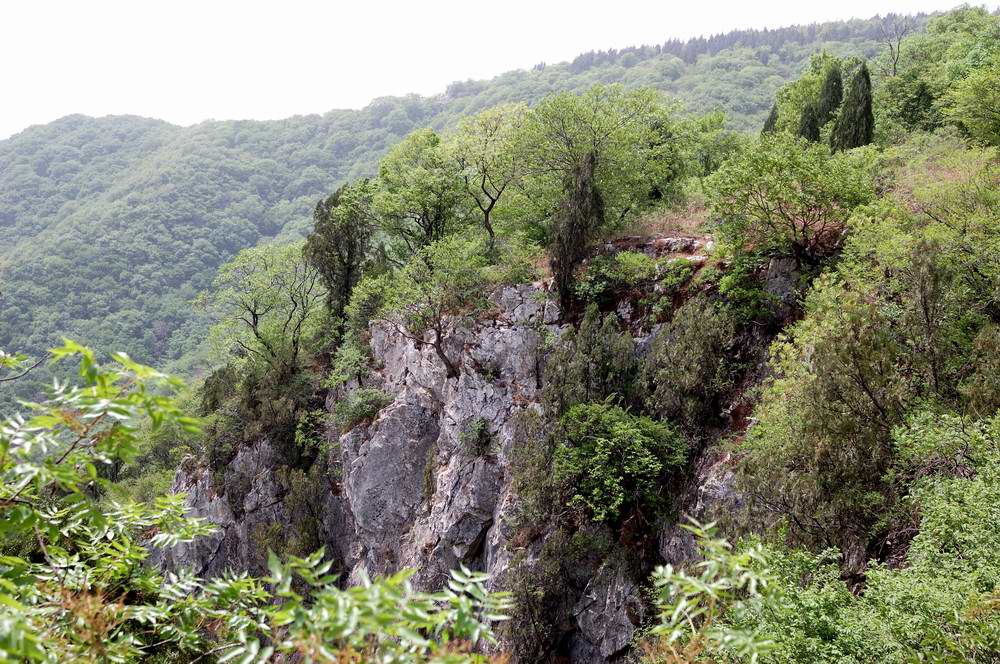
(112, 225)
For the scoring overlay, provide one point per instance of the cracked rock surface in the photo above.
(408, 492)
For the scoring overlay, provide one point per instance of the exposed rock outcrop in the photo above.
(407, 490)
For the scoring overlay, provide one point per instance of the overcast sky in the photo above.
(186, 61)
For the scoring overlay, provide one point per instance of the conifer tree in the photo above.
(831, 94)
(809, 123)
(855, 126)
(772, 120)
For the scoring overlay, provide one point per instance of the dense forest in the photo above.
(114, 225)
(597, 378)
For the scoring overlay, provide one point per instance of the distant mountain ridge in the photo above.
(111, 226)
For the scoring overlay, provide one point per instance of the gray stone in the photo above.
(609, 612)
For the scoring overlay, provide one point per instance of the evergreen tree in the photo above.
(855, 125)
(809, 123)
(772, 120)
(831, 94)
(340, 245)
(579, 217)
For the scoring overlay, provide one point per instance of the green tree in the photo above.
(340, 245)
(974, 103)
(419, 187)
(855, 126)
(594, 159)
(685, 372)
(792, 98)
(591, 362)
(489, 158)
(784, 196)
(822, 444)
(831, 94)
(266, 302)
(809, 123)
(578, 221)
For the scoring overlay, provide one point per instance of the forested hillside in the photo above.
(112, 226)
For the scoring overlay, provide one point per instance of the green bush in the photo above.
(361, 405)
(606, 275)
(615, 462)
(783, 605)
(476, 440)
(785, 196)
(589, 363)
(687, 370)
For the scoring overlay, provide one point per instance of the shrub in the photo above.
(787, 197)
(589, 364)
(350, 362)
(782, 605)
(615, 462)
(361, 405)
(686, 370)
(476, 440)
(606, 275)
(821, 446)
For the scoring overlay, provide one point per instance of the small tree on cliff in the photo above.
(488, 158)
(855, 126)
(340, 244)
(267, 301)
(574, 226)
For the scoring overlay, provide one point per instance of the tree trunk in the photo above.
(451, 370)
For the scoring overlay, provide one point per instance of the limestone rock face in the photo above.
(608, 614)
(408, 489)
(249, 509)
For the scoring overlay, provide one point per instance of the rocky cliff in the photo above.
(406, 489)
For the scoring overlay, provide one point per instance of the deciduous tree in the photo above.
(786, 197)
(266, 301)
(489, 159)
(419, 188)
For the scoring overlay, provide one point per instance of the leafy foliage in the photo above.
(689, 366)
(615, 462)
(784, 197)
(892, 329)
(340, 246)
(590, 363)
(85, 593)
(360, 405)
(419, 190)
(267, 302)
(784, 605)
(698, 608)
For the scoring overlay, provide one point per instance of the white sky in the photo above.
(187, 61)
